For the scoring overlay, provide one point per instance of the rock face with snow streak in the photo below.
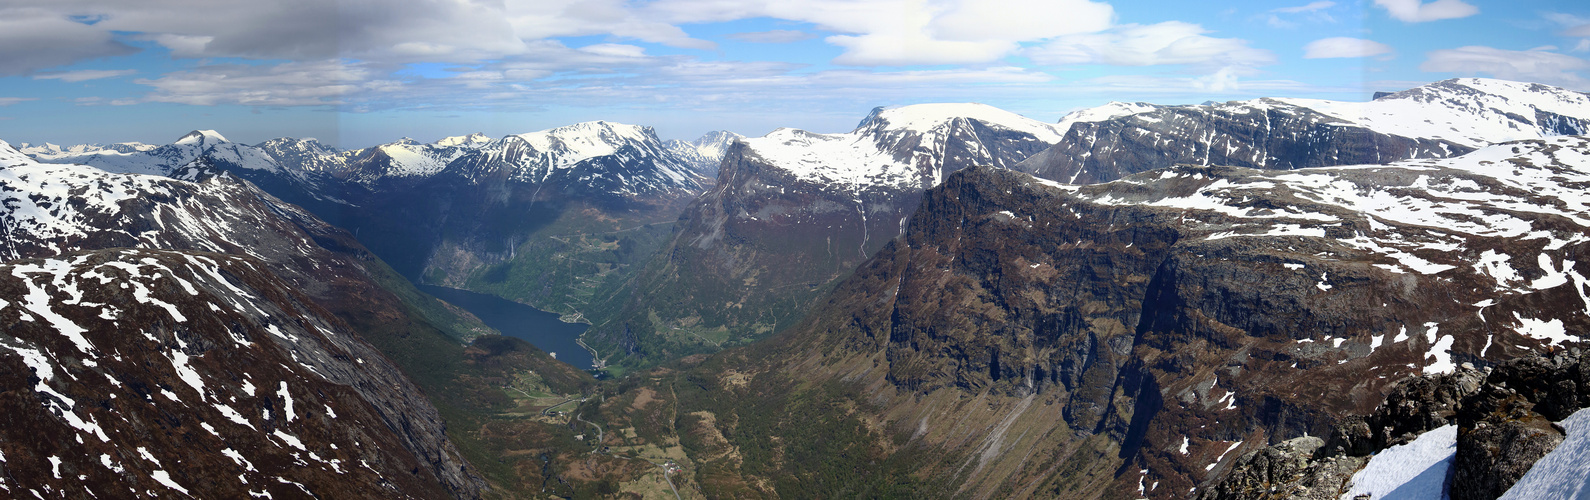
(793, 211)
(50, 211)
(1438, 120)
(144, 373)
(1176, 320)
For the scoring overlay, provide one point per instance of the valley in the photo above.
(950, 300)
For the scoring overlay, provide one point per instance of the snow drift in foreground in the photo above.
(1563, 473)
(1412, 471)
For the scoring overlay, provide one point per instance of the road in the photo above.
(667, 476)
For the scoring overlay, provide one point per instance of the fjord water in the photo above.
(540, 328)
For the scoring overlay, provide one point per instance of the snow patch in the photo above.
(1416, 470)
(1565, 472)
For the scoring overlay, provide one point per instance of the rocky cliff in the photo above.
(1058, 340)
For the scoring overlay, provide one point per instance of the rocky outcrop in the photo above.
(1508, 424)
(1324, 471)
(1414, 406)
(1287, 470)
(1504, 415)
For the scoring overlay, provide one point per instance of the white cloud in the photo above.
(7, 101)
(537, 19)
(1539, 66)
(772, 36)
(1171, 42)
(1020, 20)
(904, 49)
(84, 75)
(1582, 30)
(615, 50)
(1416, 11)
(912, 32)
(317, 83)
(1219, 83)
(1344, 47)
(1311, 7)
(32, 39)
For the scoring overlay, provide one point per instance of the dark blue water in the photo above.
(540, 328)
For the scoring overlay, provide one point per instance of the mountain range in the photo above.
(949, 300)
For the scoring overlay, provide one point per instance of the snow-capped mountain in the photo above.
(705, 153)
(475, 139)
(794, 210)
(407, 193)
(49, 151)
(910, 147)
(601, 157)
(1439, 120)
(145, 295)
(186, 152)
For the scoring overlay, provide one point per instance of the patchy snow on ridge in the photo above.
(925, 118)
(1113, 109)
(1469, 111)
(1493, 192)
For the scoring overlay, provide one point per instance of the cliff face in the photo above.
(790, 214)
(1174, 320)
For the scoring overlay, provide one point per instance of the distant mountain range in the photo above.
(948, 300)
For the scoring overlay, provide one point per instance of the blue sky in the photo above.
(356, 73)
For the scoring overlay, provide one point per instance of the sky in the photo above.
(356, 73)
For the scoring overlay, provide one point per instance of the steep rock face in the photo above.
(794, 211)
(1439, 120)
(51, 209)
(141, 373)
(1189, 316)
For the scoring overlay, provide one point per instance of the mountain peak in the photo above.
(10, 157)
(202, 138)
(922, 118)
(474, 139)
